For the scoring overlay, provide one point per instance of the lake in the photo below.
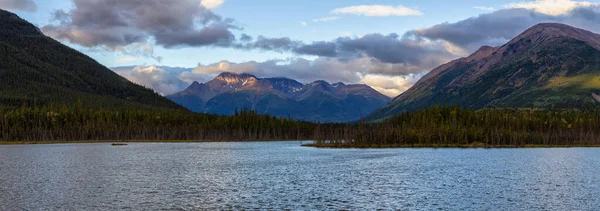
(284, 175)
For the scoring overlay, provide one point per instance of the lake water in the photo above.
(283, 175)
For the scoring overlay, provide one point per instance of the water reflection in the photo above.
(282, 175)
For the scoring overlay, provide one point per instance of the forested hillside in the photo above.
(35, 69)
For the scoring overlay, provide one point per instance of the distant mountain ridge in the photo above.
(36, 69)
(316, 101)
(548, 66)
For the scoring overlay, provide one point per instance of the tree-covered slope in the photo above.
(547, 66)
(35, 69)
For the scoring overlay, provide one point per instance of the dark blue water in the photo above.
(283, 175)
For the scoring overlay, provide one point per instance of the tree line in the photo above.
(450, 126)
(63, 123)
(436, 126)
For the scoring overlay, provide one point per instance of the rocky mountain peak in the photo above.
(236, 78)
(195, 84)
(319, 83)
(481, 53)
(548, 31)
(338, 84)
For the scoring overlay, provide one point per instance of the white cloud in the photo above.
(127, 59)
(377, 10)
(160, 80)
(487, 9)
(391, 86)
(326, 19)
(454, 50)
(303, 23)
(347, 34)
(550, 7)
(211, 4)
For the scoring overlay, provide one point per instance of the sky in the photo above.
(386, 44)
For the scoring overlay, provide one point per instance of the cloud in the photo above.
(377, 10)
(159, 79)
(384, 48)
(121, 24)
(303, 23)
(487, 9)
(550, 7)
(391, 48)
(23, 5)
(326, 19)
(391, 86)
(211, 4)
(127, 59)
(282, 44)
(500, 26)
(326, 49)
(131, 27)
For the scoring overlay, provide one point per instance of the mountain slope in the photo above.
(547, 66)
(35, 69)
(317, 101)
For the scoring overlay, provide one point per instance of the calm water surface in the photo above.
(283, 175)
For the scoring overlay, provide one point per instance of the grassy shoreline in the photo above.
(455, 146)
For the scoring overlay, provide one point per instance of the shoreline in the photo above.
(445, 146)
(132, 141)
(322, 146)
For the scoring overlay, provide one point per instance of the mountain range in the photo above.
(548, 66)
(36, 69)
(318, 101)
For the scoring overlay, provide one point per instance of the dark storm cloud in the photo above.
(390, 48)
(498, 27)
(246, 38)
(385, 48)
(326, 49)
(115, 38)
(215, 35)
(273, 44)
(23, 5)
(286, 44)
(114, 24)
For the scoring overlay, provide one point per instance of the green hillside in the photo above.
(35, 69)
